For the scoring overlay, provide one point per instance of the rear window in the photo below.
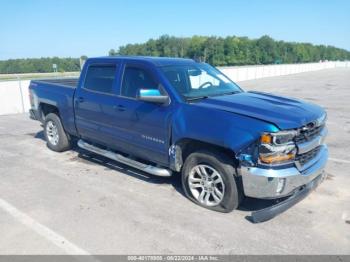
(100, 78)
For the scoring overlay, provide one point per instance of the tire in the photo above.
(56, 138)
(225, 183)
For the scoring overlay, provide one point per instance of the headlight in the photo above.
(277, 148)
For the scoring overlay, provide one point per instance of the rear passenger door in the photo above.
(96, 104)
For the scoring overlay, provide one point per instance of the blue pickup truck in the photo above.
(172, 116)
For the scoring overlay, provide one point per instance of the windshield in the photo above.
(199, 81)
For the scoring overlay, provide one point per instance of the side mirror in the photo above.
(153, 96)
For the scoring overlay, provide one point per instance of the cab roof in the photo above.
(156, 61)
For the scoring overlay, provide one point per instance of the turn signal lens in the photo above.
(277, 158)
(266, 139)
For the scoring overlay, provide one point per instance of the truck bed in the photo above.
(58, 93)
(67, 82)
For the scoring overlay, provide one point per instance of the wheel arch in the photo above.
(46, 108)
(182, 148)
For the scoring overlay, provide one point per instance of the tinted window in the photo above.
(135, 79)
(100, 78)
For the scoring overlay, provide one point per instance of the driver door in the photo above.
(146, 124)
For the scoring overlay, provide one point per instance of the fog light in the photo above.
(280, 185)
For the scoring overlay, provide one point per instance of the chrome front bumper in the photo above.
(276, 183)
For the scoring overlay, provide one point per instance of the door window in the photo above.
(100, 78)
(135, 79)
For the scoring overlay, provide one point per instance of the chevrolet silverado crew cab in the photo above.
(172, 116)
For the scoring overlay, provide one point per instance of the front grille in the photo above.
(308, 133)
(306, 157)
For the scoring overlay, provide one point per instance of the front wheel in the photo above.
(208, 180)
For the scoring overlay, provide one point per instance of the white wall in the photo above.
(14, 96)
(242, 73)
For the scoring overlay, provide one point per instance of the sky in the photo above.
(71, 28)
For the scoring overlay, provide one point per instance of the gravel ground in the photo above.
(58, 203)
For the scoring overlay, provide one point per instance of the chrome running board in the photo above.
(157, 171)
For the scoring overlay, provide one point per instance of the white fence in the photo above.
(14, 96)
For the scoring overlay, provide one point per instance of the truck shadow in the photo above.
(91, 158)
(247, 205)
(38, 135)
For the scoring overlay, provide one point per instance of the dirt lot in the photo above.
(75, 203)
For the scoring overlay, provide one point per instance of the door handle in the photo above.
(80, 99)
(120, 108)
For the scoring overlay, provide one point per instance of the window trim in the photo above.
(117, 68)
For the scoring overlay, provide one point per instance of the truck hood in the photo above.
(285, 113)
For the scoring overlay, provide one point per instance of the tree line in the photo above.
(39, 65)
(233, 50)
(218, 51)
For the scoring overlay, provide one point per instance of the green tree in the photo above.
(233, 50)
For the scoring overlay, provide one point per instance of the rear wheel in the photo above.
(57, 139)
(208, 180)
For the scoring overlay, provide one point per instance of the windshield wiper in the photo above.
(205, 97)
(228, 93)
(196, 98)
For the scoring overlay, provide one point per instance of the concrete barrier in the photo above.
(243, 73)
(14, 95)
